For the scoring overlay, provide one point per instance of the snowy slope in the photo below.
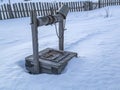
(94, 37)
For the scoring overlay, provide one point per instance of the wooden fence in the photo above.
(18, 10)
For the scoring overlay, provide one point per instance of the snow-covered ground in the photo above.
(94, 37)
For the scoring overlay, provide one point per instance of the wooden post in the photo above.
(61, 35)
(99, 4)
(18, 12)
(0, 15)
(35, 42)
(14, 10)
(10, 11)
(6, 11)
(90, 5)
(3, 12)
(9, 2)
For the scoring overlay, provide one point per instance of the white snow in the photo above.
(93, 36)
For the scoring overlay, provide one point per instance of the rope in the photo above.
(57, 29)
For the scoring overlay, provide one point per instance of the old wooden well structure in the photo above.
(48, 60)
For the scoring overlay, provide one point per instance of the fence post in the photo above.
(10, 11)
(35, 42)
(90, 5)
(99, 6)
(86, 5)
(0, 15)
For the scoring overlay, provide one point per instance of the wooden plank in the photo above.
(103, 3)
(3, 12)
(78, 6)
(90, 5)
(17, 10)
(72, 7)
(69, 6)
(55, 10)
(20, 10)
(48, 4)
(10, 11)
(60, 4)
(57, 7)
(40, 4)
(26, 9)
(43, 9)
(52, 9)
(37, 8)
(81, 6)
(23, 10)
(113, 2)
(6, 11)
(14, 10)
(0, 15)
(31, 6)
(34, 7)
(84, 5)
(118, 2)
(109, 2)
(46, 8)
(29, 9)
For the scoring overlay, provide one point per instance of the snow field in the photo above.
(93, 36)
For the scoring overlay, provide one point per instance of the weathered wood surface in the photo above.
(54, 64)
